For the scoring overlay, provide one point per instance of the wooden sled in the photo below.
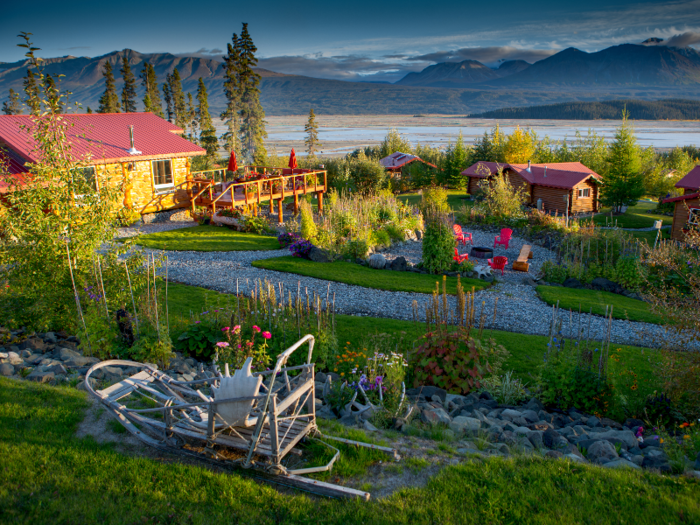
(252, 420)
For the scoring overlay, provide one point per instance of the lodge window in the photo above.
(584, 193)
(162, 174)
(85, 180)
(694, 216)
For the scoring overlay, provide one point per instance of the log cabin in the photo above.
(686, 211)
(546, 184)
(144, 153)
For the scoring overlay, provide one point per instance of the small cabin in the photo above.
(686, 213)
(144, 153)
(546, 185)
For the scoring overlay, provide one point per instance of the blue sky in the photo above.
(363, 39)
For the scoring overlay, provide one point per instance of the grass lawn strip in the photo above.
(207, 239)
(623, 307)
(455, 199)
(49, 476)
(351, 273)
(635, 217)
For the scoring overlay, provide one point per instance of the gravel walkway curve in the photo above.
(518, 308)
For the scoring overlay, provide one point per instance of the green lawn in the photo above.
(635, 217)
(49, 476)
(455, 198)
(351, 273)
(207, 239)
(650, 236)
(623, 307)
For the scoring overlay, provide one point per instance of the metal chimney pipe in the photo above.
(133, 150)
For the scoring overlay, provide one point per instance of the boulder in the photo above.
(572, 283)
(553, 440)
(398, 264)
(318, 255)
(66, 353)
(535, 405)
(35, 344)
(14, 358)
(659, 463)
(435, 416)
(460, 424)
(601, 452)
(6, 369)
(528, 281)
(41, 377)
(633, 423)
(697, 462)
(530, 416)
(623, 436)
(511, 414)
(573, 457)
(76, 362)
(535, 438)
(429, 391)
(553, 454)
(606, 285)
(377, 261)
(593, 422)
(621, 463)
(607, 422)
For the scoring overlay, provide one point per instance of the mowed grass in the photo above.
(351, 273)
(623, 307)
(50, 476)
(206, 239)
(455, 198)
(635, 217)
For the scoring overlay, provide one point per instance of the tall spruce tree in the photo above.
(232, 91)
(623, 182)
(456, 159)
(252, 130)
(191, 118)
(109, 101)
(31, 89)
(12, 106)
(311, 140)
(129, 89)
(53, 96)
(207, 134)
(151, 99)
(168, 97)
(177, 96)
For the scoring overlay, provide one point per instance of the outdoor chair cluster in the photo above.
(461, 237)
(251, 420)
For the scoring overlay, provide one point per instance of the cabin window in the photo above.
(162, 174)
(694, 216)
(584, 193)
(84, 180)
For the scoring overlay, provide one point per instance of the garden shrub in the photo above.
(438, 242)
(500, 198)
(435, 198)
(308, 226)
(380, 237)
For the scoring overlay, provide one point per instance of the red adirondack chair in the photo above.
(460, 258)
(504, 238)
(498, 263)
(461, 236)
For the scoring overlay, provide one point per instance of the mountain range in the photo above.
(620, 72)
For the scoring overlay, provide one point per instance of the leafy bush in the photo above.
(435, 198)
(257, 225)
(380, 237)
(438, 242)
(506, 389)
(308, 227)
(151, 349)
(200, 338)
(500, 198)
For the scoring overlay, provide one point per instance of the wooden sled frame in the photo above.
(187, 421)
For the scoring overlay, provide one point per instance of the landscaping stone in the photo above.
(633, 423)
(50, 337)
(659, 463)
(536, 439)
(622, 436)
(377, 261)
(34, 344)
(14, 359)
(606, 285)
(6, 369)
(553, 454)
(697, 462)
(41, 377)
(601, 451)
(462, 424)
(318, 255)
(553, 440)
(621, 463)
(574, 457)
(572, 283)
(398, 264)
(435, 416)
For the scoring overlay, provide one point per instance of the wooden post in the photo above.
(271, 203)
(319, 196)
(296, 202)
(280, 211)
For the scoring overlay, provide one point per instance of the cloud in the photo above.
(486, 55)
(683, 40)
(212, 54)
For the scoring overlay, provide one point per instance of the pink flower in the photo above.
(236, 329)
(249, 343)
(197, 322)
(239, 347)
(225, 329)
(222, 344)
(256, 328)
(267, 335)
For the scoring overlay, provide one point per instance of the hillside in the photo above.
(460, 74)
(672, 109)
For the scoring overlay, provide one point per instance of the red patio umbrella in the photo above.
(232, 164)
(293, 159)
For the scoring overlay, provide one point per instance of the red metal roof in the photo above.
(557, 175)
(683, 197)
(691, 181)
(398, 160)
(102, 137)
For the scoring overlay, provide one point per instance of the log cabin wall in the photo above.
(680, 217)
(473, 185)
(552, 198)
(585, 204)
(519, 183)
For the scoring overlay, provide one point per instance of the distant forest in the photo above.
(669, 109)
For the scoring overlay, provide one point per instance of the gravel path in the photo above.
(143, 229)
(518, 309)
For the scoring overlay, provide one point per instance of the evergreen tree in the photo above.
(623, 183)
(207, 136)
(191, 118)
(230, 115)
(12, 105)
(252, 130)
(311, 129)
(167, 95)
(53, 97)
(129, 89)
(31, 89)
(455, 163)
(177, 96)
(151, 99)
(394, 142)
(109, 101)
(89, 111)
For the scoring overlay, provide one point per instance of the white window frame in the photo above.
(582, 191)
(94, 178)
(694, 216)
(167, 187)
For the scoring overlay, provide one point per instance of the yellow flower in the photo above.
(342, 374)
(686, 436)
(661, 440)
(347, 342)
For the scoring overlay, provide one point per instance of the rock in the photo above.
(601, 451)
(56, 369)
(316, 254)
(553, 454)
(621, 463)
(535, 405)
(572, 283)
(41, 377)
(14, 358)
(573, 457)
(6, 369)
(320, 377)
(697, 462)
(76, 362)
(528, 281)
(419, 235)
(606, 285)
(34, 344)
(398, 264)
(553, 439)
(650, 442)
(500, 447)
(377, 261)
(607, 422)
(530, 416)
(435, 416)
(535, 438)
(24, 354)
(50, 337)
(633, 423)
(349, 420)
(325, 413)
(510, 414)
(460, 424)
(429, 391)
(593, 422)
(623, 436)
(66, 353)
